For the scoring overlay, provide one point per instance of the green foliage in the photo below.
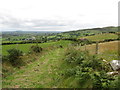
(70, 72)
(115, 83)
(75, 56)
(36, 49)
(14, 56)
(101, 80)
(85, 68)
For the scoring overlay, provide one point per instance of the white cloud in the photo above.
(57, 14)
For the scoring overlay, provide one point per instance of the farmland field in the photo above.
(25, 47)
(107, 50)
(101, 37)
(65, 60)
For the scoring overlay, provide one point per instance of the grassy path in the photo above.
(45, 72)
(42, 73)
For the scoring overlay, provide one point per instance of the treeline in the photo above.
(71, 39)
(23, 42)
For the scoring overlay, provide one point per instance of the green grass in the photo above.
(25, 47)
(101, 37)
(43, 73)
(44, 70)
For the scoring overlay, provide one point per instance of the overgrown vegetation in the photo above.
(14, 57)
(11, 61)
(88, 71)
(35, 48)
(66, 68)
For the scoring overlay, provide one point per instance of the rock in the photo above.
(115, 64)
(113, 73)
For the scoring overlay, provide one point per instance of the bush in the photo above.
(36, 49)
(75, 56)
(84, 68)
(14, 56)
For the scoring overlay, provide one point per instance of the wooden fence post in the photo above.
(96, 51)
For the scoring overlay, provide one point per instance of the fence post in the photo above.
(96, 51)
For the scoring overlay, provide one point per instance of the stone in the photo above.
(115, 64)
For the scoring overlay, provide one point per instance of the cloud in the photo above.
(7, 22)
(57, 14)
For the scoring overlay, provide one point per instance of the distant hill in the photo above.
(22, 32)
(88, 32)
(96, 30)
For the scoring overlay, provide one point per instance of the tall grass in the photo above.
(107, 50)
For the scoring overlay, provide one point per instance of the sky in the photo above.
(57, 15)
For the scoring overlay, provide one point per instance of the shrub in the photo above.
(14, 56)
(84, 68)
(36, 49)
(75, 56)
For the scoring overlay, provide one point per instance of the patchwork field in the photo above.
(101, 37)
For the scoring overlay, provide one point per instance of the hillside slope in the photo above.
(101, 37)
(45, 71)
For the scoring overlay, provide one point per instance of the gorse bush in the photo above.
(88, 70)
(14, 56)
(75, 56)
(36, 49)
